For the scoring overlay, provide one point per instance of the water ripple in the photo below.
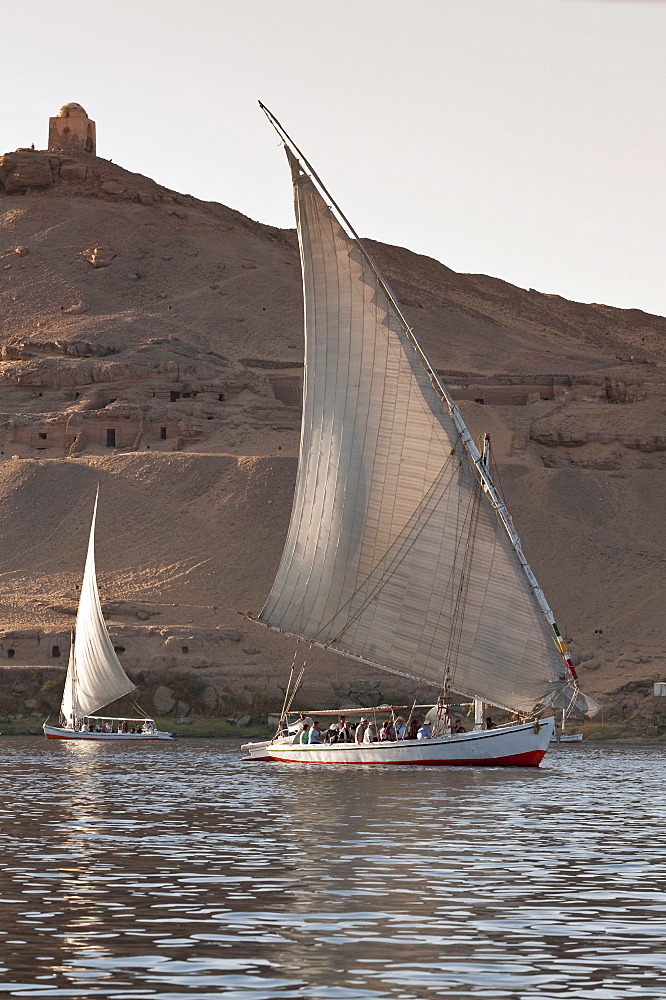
(182, 871)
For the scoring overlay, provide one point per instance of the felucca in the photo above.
(401, 553)
(95, 677)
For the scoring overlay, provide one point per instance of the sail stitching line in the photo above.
(403, 542)
(455, 635)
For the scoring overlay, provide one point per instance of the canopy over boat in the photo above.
(400, 552)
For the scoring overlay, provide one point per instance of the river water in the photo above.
(181, 871)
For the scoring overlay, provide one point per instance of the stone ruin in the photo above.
(72, 129)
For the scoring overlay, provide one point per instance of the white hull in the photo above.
(58, 733)
(567, 738)
(508, 746)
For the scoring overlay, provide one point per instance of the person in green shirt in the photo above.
(305, 736)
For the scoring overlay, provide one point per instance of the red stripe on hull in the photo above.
(100, 739)
(530, 759)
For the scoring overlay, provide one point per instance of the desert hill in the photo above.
(154, 342)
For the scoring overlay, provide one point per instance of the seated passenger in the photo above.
(424, 732)
(331, 734)
(400, 728)
(370, 735)
(458, 727)
(360, 730)
(315, 733)
(386, 733)
(413, 729)
(346, 734)
(304, 736)
(489, 723)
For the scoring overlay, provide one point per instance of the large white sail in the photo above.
(394, 553)
(67, 707)
(98, 676)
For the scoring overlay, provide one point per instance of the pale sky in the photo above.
(523, 139)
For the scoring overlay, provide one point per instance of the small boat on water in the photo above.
(401, 553)
(562, 736)
(95, 677)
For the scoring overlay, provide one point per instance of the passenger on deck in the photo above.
(386, 733)
(413, 729)
(346, 734)
(331, 734)
(400, 728)
(315, 733)
(302, 719)
(304, 736)
(360, 730)
(424, 732)
(489, 723)
(458, 727)
(370, 735)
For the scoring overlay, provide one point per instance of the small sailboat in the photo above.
(400, 552)
(95, 677)
(562, 735)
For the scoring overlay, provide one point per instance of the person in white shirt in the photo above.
(424, 732)
(360, 730)
(400, 728)
(387, 733)
(370, 735)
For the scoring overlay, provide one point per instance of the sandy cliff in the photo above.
(153, 342)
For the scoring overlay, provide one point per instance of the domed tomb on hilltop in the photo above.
(71, 128)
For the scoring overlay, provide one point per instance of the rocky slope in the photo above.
(153, 342)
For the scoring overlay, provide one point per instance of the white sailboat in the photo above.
(95, 677)
(562, 735)
(400, 553)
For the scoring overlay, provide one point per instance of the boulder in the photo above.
(21, 171)
(112, 187)
(73, 170)
(98, 256)
(244, 720)
(163, 699)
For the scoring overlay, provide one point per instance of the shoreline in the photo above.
(212, 727)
